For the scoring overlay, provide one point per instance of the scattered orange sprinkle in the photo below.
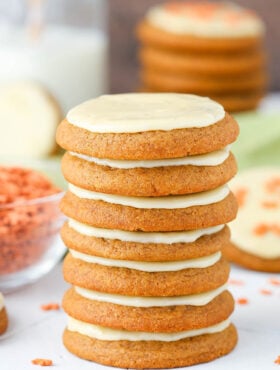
(241, 194)
(42, 362)
(242, 301)
(273, 185)
(50, 306)
(268, 204)
(236, 282)
(262, 229)
(274, 281)
(277, 361)
(265, 292)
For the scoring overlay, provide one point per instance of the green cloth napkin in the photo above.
(259, 140)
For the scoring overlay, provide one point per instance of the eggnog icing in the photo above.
(139, 112)
(201, 262)
(105, 333)
(143, 237)
(203, 19)
(200, 299)
(261, 207)
(167, 202)
(2, 303)
(210, 159)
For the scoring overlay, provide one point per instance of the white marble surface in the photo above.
(35, 333)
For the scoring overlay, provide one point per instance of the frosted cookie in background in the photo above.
(210, 49)
(29, 116)
(3, 315)
(255, 233)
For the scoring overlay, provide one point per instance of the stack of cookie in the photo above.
(210, 49)
(147, 207)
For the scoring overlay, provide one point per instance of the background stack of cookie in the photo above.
(210, 49)
(147, 207)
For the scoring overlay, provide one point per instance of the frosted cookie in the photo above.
(201, 26)
(256, 231)
(139, 246)
(3, 315)
(171, 213)
(219, 65)
(128, 281)
(141, 354)
(213, 307)
(29, 117)
(146, 127)
(168, 177)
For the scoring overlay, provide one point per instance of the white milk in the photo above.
(70, 62)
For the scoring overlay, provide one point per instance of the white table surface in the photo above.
(34, 333)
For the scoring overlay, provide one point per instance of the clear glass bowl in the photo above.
(30, 244)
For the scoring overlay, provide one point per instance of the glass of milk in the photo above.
(61, 44)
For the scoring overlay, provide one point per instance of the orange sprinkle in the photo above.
(277, 361)
(274, 281)
(241, 194)
(273, 185)
(268, 204)
(242, 301)
(265, 292)
(42, 362)
(261, 229)
(236, 282)
(50, 306)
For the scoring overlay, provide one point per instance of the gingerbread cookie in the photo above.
(255, 242)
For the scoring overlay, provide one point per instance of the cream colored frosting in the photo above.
(2, 303)
(253, 212)
(143, 237)
(105, 333)
(210, 159)
(168, 202)
(138, 112)
(222, 20)
(200, 299)
(201, 262)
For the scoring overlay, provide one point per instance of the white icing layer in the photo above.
(143, 237)
(201, 262)
(104, 333)
(168, 202)
(221, 20)
(261, 206)
(138, 112)
(211, 159)
(2, 303)
(201, 299)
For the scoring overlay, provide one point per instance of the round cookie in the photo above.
(115, 216)
(219, 65)
(256, 231)
(203, 85)
(150, 252)
(3, 316)
(126, 281)
(184, 125)
(240, 102)
(157, 181)
(141, 354)
(150, 319)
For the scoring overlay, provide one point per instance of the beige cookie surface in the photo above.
(149, 144)
(149, 319)
(115, 216)
(152, 354)
(157, 181)
(139, 283)
(133, 251)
